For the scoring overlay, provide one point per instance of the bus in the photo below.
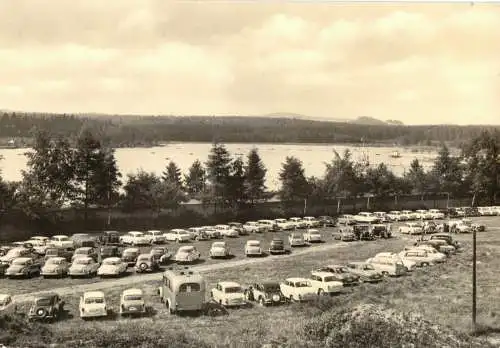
(183, 289)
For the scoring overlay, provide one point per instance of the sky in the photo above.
(418, 63)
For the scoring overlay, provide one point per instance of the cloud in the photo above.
(417, 63)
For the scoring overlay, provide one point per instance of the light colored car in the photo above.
(39, 246)
(296, 240)
(298, 289)
(219, 249)
(313, 236)
(270, 225)
(155, 237)
(83, 267)
(132, 302)
(459, 226)
(254, 227)
(326, 283)
(178, 235)
(422, 214)
(382, 215)
(341, 274)
(411, 228)
(396, 215)
(365, 271)
(253, 248)
(146, 263)
(410, 215)
(198, 233)
(388, 265)
(474, 226)
(228, 294)
(187, 254)
(311, 221)
(346, 219)
(408, 264)
(15, 253)
(227, 231)
(432, 253)
(85, 252)
(44, 240)
(419, 256)
(23, 267)
(298, 222)
(134, 238)
(284, 224)
(366, 218)
(55, 267)
(62, 241)
(112, 266)
(436, 214)
(92, 305)
(7, 304)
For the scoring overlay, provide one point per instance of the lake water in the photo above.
(313, 156)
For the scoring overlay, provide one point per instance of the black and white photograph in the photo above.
(249, 173)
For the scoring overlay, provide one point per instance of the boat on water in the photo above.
(395, 154)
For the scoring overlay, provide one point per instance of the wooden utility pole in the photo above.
(474, 294)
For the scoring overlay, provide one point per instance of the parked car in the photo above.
(83, 240)
(311, 222)
(296, 240)
(408, 264)
(459, 226)
(277, 246)
(15, 253)
(271, 226)
(134, 238)
(265, 293)
(436, 214)
(381, 231)
(85, 252)
(326, 283)
(419, 256)
(55, 267)
(254, 227)
(389, 266)
(432, 252)
(298, 289)
(46, 307)
(155, 237)
(382, 216)
(182, 290)
(212, 232)
(227, 231)
(411, 228)
(479, 227)
(198, 233)
(132, 302)
(187, 254)
(110, 238)
(219, 249)
(345, 234)
(92, 305)
(178, 235)
(284, 224)
(312, 236)
(238, 227)
(410, 215)
(346, 219)
(107, 251)
(161, 254)
(146, 263)
(23, 267)
(299, 223)
(67, 253)
(7, 305)
(228, 294)
(365, 271)
(112, 266)
(341, 274)
(423, 214)
(37, 246)
(253, 248)
(366, 218)
(327, 221)
(61, 241)
(440, 245)
(129, 256)
(83, 267)
(396, 215)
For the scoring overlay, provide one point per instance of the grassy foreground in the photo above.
(430, 308)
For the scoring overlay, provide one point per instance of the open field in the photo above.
(441, 294)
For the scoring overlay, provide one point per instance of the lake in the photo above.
(313, 156)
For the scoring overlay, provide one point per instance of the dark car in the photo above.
(161, 255)
(451, 212)
(109, 251)
(4, 250)
(363, 232)
(3, 268)
(471, 211)
(110, 238)
(238, 227)
(341, 274)
(83, 240)
(327, 221)
(265, 293)
(67, 253)
(46, 307)
(277, 246)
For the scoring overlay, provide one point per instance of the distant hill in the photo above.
(368, 121)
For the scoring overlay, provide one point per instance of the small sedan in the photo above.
(219, 249)
(187, 254)
(313, 236)
(253, 248)
(228, 294)
(277, 246)
(365, 271)
(146, 263)
(93, 305)
(265, 293)
(83, 267)
(161, 254)
(112, 266)
(129, 256)
(23, 267)
(46, 307)
(296, 240)
(55, 267)
(132, 302)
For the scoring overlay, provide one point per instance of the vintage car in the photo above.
(271, 225)
(83, 267)
(459, 226)
(421, 257)
(83, 240)
(311, 222)
(284, 224)
(327, 221)
(55, 267)
(67, 253)
(429, 227)
(396, 215)
(382, 216)
(296, 240)
(15, 253)
(109, 251)
(432, 252)
(346, 219)
(381, 231)
(198, 233)
(161, 254)
(474, 226)
(265, 293)
(436, 214)
(313, 236)
(187, 254)
(110, 238)
(345, 234)
(366, 218)
(440, 245)
(298, 289)
(85, 252)
(410, 215)
(393, 262)
(423, 214)
(112, 266)
(132, 302)
(341, 274)
(227, 231)
(277, 246)
(182, 290)
(39, 246)
(212, 232)
(92, 305)
(46, 307)
(61, 241)
(326, 283)
(146, 263)
(155, 237)
(134, 238)
(228, 294)
(129, 256)
(365, 271)
(238, 227)
(363, 231)
(219, 249)
(253, 248)
(446, 237)
(178, 235)
(254, 227)
(23, 267)
(7, 304)
(411, 228)
(299, 223)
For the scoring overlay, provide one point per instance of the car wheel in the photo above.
(321, 292)
(262, 302)
(143, 267)
(385, 273)
(291, 298)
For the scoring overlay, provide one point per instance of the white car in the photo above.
(419, 256)
(298, 222)
(422, 214)
(132, 302)
(396, 215)
(112, 266)
(326, 283)
(92, 305)
(311, 221)
(198, 233)
(227, 231)
(432, 252)
(407, 263)
(254, 227)
(366, 218)
(39, 246)
(135, 238)
(7, 305)
(436, 214)
(15, 253)
(253, 248)
(313, 236)
(228, 294)
(284, 224)
(55, 267)
(187, 254)
(178, 235)
(155, 237)
(298, 289)
(219, 249)
(271, 225)
(410, 215)
(61, 241)
(44, 240)
(296, 240)
(388, 265)
(411, 228)
(459, 226)
(382, 216)
(83, 267)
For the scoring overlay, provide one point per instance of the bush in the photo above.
(16, 330)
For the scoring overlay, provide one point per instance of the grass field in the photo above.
(441, 294)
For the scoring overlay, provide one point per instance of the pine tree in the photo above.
(195, 179)
(236, 187)
(255, 173)
(294, 185)
(218, 172)
(172, 174)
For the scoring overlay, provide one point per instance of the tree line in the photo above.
(59, 175)
(130, 131)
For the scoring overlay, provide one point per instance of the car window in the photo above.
(44, 302)
(90, 300)
(132, 298)
(190, 287)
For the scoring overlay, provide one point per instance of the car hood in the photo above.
(94, 306)
(130, 303)
(251, 247)
(78, 268)
(109, 268)
(218, 250)
(234, 296)
(15, 268)
(51, 268)
(184, 256)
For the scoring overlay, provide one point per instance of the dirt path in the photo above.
(136, 278)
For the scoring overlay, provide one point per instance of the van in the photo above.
(183, 289)
(388, 265)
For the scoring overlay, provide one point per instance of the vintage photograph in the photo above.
(255, 174)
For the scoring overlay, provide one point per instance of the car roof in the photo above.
(85, 248)
(59, 235)
(219, 244)
(46, 295)
(93, 294)
(186, 247)
(268, 283)
(23, 258)
(131, 249)
(3, 297)
(84, 258)
(297, 279)
(321, 273)
(112, 259)
(144, 255)
(229, 284)
(154, 231)
(135, 232)
(132, 291)
(56, 258)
